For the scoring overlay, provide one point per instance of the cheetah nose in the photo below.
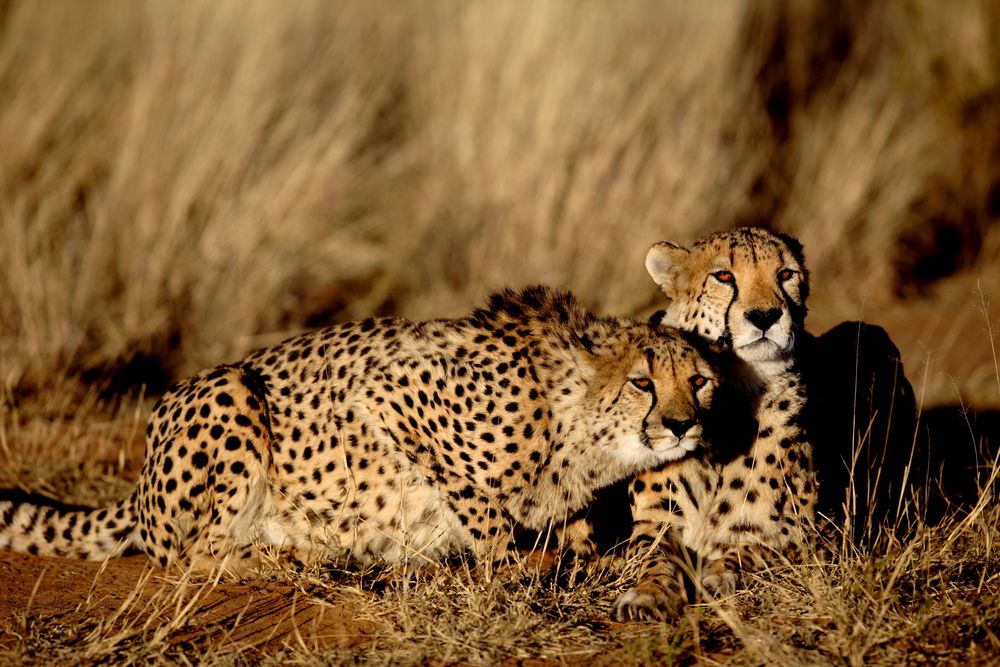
(763, 319)
(678, 428)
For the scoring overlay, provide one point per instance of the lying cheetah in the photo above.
(394, 440)
(753, 502)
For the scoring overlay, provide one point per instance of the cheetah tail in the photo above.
(39, 525)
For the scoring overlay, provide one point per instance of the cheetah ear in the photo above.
(586, 351)
(664, 262)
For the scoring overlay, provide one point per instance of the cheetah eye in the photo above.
(724, 276)
(642, 384)
(698, 381)
(785, 275)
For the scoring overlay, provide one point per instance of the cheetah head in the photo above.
(745, 288)
(648, 393)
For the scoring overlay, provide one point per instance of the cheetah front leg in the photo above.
(659, 591)
(722, 576)
(576, 539)
(744, 546)
(575, 557)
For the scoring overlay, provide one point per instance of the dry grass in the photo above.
(932, 596)
(181, 182)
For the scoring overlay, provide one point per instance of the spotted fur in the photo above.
(752, 504)
(394, 440)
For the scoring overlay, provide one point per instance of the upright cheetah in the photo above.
(394, 440)
(752, 503)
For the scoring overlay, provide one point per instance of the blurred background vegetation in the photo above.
(183, 181)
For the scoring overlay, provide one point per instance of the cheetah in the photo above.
(398, 441)
(751, 503)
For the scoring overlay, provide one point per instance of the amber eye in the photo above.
(785, 275)
(645, 384)
(724, 276)
(698, 381)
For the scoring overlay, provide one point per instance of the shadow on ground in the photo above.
(879, 460)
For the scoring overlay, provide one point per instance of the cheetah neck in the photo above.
(571, 468)
(772, 370)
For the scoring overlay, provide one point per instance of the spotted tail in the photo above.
(38, 525)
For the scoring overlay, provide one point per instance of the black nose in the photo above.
(763, 319)
(678, 428)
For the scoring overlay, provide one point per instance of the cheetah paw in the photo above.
(720, 584)
(635, 605)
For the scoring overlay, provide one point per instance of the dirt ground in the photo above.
(259, 615)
